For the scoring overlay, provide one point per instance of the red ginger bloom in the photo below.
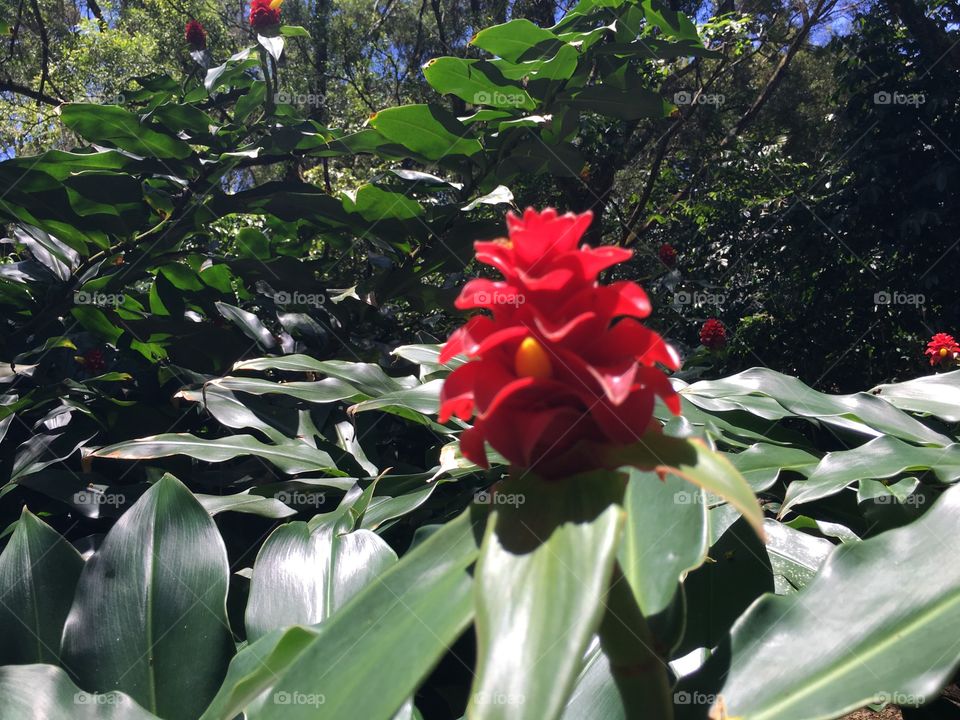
(264, 14)
(668, 255)
(713, 334)
(563, 362)
(942, 348)
(93, 361)
(196, 36)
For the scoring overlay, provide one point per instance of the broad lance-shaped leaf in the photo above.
(544, 569)
(401, 625)
(692, 460)
(666, 536)
(45, 692)
(881, 458)
(863, 631)
(149, 617)
(762, 463)
(302, 575)
(861, 412)
(367, 377)
(426, 130)
(937, 395)
(38, 574)
(291, 457)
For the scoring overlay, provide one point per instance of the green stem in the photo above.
(640, 673)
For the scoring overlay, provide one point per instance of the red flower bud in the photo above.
(562, 363)
(264, 14)
(713, 335)
(93, 361)
(942, 348)
(667, 255)
(196, 36)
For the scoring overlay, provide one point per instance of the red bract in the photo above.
(264, 14)
(563, 363)
(667, 255)
(93, 361)
(196, 36)
(713, 334)
(942, 348)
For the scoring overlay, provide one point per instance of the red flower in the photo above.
(196, 36)
(942, 348)
(264, 14)
(93, 361)
(563, 362)
(667, 255)
(713, 334)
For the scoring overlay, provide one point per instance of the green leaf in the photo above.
(303, 574)
(38, 574)
(252, 243)
(512, 40)
(373, 203)
(632, 103)
(692, 460)
(881, 458)
(368, 377)
(113, 125)
(32, 692)
(794, 556)
(544, 568)
(761, 464)
(672, 23)
(426, 130)
(293, 31)
(864, 631)
(158, 583)
(937, 395)
(292, 457)
(400, 625)
(666, 536)
(245, 503)
(476, 82)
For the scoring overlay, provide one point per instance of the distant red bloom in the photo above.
(667, 255)
(196, 36)
(564, 362)
(265, 14)
(942, 348)
(93, 361)
(713, 334)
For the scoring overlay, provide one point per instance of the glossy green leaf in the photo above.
(38, 573)
(864, 631)
(302, 575)
(512, 40)
(476, 82)
(937, 395)
(291, 457)
(245, 502)
(45, 692)
(553, 545)
(367, 377)
(426, 130)
(881, 458)
(158, 583)
(113, 125)
(666, 535)
(761, 463)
